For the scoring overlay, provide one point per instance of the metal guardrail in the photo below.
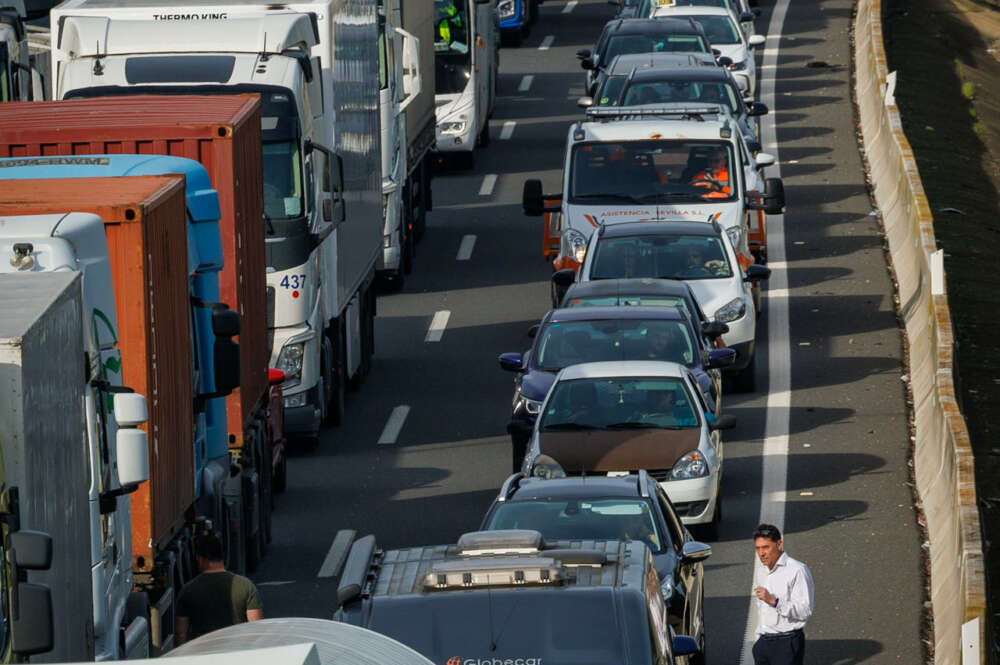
(943, 460)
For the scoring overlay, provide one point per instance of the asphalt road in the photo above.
(825, 441)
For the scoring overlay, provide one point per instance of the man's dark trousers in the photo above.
(783, 649)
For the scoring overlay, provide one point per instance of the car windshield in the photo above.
(661, 256)
(618, 404)
(583, 519)
(282, 180)
(666, 92)
(727, 4)
(452, 52)
(719, 29)
(571, 342)
(664, 43)
(611, 90)
(655, 171)
(629, 301)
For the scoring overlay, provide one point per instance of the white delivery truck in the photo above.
(466, 59)
(406, 103)
(40, 251)
(54, 443)
(313, 63)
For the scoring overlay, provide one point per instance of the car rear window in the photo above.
(572, 342)
(621, 44)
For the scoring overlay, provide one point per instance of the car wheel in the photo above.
(710, 531)
(483, 140)
(746, 380)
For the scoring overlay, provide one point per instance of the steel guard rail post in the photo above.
(943, 460)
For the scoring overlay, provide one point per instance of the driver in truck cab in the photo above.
(715, 176)
(450, 18)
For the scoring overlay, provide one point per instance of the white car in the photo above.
(698, 253)
(622, 416)
(724, 32)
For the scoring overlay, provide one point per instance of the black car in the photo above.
(627, 507)
(592, 334)
(636, 35)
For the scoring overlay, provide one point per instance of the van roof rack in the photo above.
(493, 571)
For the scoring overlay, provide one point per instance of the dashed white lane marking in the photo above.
(508, 129)
(525, 82)
(338, 554)
(774, 477)
(394, 425)
(489, 182)
(570, 6)
(438, 324)
(546, 42)
(465, 248)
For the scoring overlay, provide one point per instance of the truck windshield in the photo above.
(619, 404)
(654, 171)
(452, 47)
(661, 257)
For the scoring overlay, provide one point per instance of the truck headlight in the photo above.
(290, 359)
(732, 310)
(506, 8)
(737, 236)
(692, 465)
(452, 127)
(574, 245)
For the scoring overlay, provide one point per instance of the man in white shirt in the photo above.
(783, 588)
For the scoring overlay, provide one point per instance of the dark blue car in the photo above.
(517, 17)
(590, 334)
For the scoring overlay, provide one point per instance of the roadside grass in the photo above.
(949, 96)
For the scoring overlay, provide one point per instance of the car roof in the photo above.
(626, 229)
(626, 62)
(576, 487)
(671, 11)
(691, 73)
(628, 286)
(643, 26)
(623, 368)
(614, 312)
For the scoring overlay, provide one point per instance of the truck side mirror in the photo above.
(32, 620)
(564, 277)
(131, 452)
(532, 200)
(774, 196)
(225, 322)
(756, 108)
(225, 325)
(32, 550)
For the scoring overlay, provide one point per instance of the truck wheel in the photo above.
(281, 476)
(483, 140)
(335, 416)
(266, 497)
(409, 251)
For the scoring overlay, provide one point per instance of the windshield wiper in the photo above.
(570, 426)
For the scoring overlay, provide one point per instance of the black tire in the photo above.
(465, 160)
(325, 386)
(281, 476)
(409, 250)
(746, 380)
(710, 531)
(254, 543)
(483, 140)
(337, 399)
(266, 498)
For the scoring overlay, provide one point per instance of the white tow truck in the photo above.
(467, 57)
(648, 164)
(406, 103)
(70, 446)
(313, 63)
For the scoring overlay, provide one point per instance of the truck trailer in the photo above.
(313, 63)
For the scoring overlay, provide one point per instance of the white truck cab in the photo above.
(76, 242)
(466, 54)
(651, 164)
(21, 72)
(320, 269)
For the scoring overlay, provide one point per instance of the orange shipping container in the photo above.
(145, 223)
(221, 132)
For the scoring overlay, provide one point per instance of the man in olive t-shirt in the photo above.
(216, 598)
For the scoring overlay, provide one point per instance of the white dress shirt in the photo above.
(791, 583)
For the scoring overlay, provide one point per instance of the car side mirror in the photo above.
(587, 64)
(564, 277)
(583, 54)
(532, 200)
(694, 551)
(714, 329)
(756, 40)
(533, 330)
(757, 272)
(719, 358)
(746, 17)
(727, 421)
(754, 146)
(724, 61)
(684, 645)
(32, 624)
(585, 102)
(757, 109)
(512, 362)
(763, 159)
(774, 196)
(32, 550)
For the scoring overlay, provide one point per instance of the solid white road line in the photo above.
(774, 477)
(465, 248)
(337, 555)
(525, 82)
(489, 182)
(508, 129)
(546, 42)
(394, 425)
(438, 324)
(570, 6)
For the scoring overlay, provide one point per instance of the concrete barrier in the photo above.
(943, 461)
